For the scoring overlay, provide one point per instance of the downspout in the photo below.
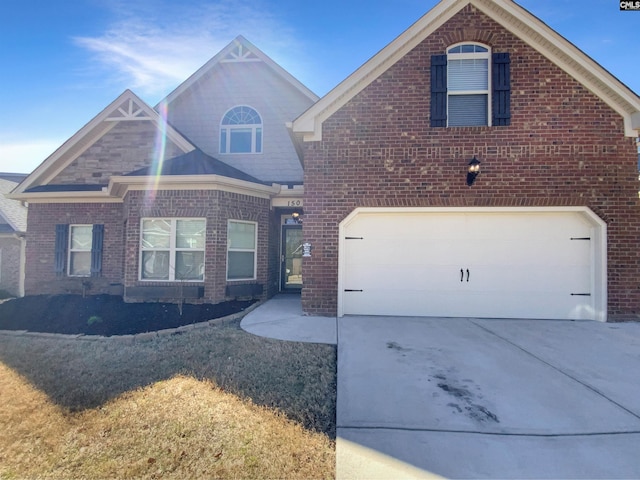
(23, 262)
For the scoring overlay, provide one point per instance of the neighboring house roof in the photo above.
(239, 49)
(195, 162)
(13, 177)
(511, 16)
(57, 187)
(127, 107)
(11, 211)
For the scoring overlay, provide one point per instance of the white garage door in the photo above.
(484, 264)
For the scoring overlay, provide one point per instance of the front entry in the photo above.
(291, 258)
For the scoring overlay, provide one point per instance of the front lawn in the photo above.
(214, 402)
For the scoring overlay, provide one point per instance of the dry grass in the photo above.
(177, 428)
(172, 407)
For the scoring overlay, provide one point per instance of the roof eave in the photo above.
(120, 185)
(565, 55)
(309, 123)
(99, 196)
(215, 60)
(89, 133)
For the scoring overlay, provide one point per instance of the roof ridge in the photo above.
(238, 41)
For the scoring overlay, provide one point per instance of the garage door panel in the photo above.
(406, 303)
(408, 251)
(369, 277)
(569, 279)
(450, 304)
(520, 265)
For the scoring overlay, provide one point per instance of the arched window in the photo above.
(241, 131)
(468, 85)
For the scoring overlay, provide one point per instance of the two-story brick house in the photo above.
(401, 221)
(479, 165)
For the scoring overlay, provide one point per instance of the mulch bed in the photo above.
(105, 315)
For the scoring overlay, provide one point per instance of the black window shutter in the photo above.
(60, 257)
(501, 84)
(96, 250)
(438, 90)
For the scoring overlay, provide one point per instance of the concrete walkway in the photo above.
(469, 398)
(281, 317)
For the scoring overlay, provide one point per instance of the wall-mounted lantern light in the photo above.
(294, 219)
(473, 171)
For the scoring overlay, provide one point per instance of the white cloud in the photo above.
(153, 47)
(25, 157)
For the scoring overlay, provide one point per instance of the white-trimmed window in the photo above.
(468, 74)
(241, 131)
(172, 249)
(242, 244)
(80, 243)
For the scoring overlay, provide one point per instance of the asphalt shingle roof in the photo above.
(12, 211)
(197, 162)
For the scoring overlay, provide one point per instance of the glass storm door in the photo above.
(291, 257)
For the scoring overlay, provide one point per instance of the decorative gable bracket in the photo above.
(128, 111)
(240, 53)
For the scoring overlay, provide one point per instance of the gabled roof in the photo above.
(239, 50)
(126, 108)
(12, 211)
(511, 16)
(195, 162)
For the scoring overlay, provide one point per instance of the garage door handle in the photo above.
(461, 275)
(467, 274)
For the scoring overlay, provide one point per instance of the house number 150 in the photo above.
(294, 203)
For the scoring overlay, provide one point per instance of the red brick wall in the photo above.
(42, 219)
(564, 147)
(125, 148)
(217, 207)
(122, 239)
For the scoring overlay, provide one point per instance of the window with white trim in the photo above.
(242, 244)
(241, 131)
(80, 243)
(468, 73)
(172, 249)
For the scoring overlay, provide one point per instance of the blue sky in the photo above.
(61, 62)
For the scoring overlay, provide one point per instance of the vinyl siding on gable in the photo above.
(197, 114)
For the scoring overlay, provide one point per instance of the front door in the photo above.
(291, 257)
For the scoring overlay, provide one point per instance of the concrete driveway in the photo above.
(468, 398)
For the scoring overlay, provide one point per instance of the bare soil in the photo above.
(105, 315)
